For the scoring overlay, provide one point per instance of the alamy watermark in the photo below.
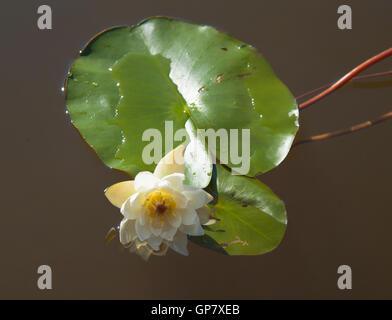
(230, 141)
(345, 20)
(44, 281)
(345, 280)
(45, 19)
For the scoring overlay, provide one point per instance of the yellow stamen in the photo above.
(159, 204)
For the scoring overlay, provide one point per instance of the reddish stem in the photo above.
(352, 129)
(365, 65)
(366, 76)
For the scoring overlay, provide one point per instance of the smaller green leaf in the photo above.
(198, 162)
(251, 192)
(251, 218)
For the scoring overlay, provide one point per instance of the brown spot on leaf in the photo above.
(244, 75)
(236, 240)
(219, 78)
(203, 88)
(224, 49)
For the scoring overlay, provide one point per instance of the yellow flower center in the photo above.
(159, 204)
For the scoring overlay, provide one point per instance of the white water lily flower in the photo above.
(159, 210)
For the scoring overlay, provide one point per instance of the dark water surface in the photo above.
(337, 192)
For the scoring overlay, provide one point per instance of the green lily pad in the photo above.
(251, 218)
(130, 79)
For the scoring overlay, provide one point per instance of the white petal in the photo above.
(127, 231)
(180, 199)
(175, 181)
(188, 215)
(156, 227)
(143, 232)
(143, 218)
(155, 242)
(197, 197)
(179, 243)
(173, 162)
(175, 219)
(193, 229)
(204, 214)
(168, 232)
(118, 193)
(133, 206)
(145, 180)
